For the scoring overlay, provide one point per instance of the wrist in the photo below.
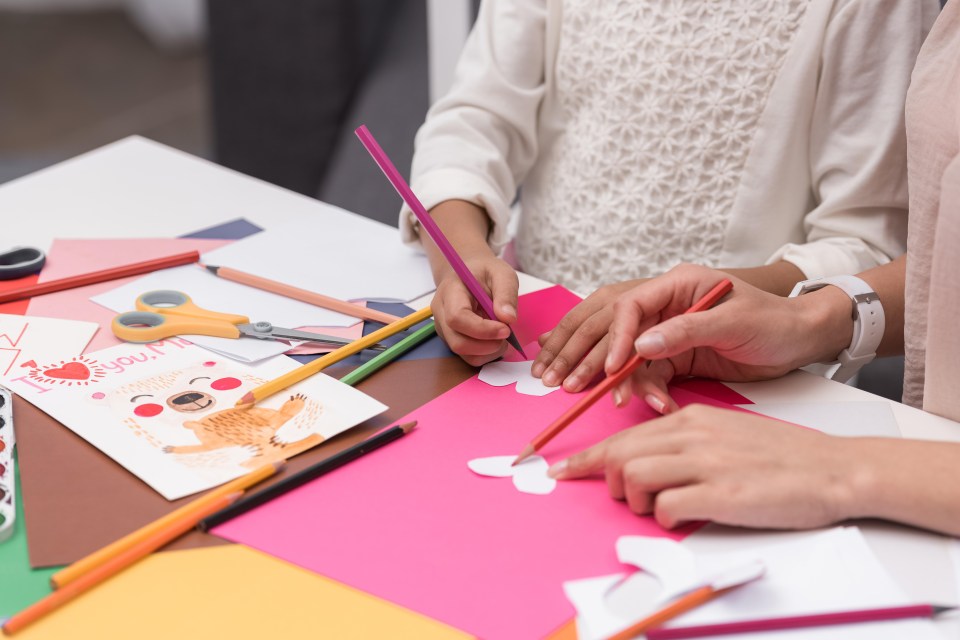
(827, 323)
(857, 478)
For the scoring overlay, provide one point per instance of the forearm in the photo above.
(465, 225)
(778, 278)
(911, 481)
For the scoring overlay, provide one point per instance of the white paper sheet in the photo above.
(502, 373)
(347, 256)
(852, 419)
(828, 571)
(217, 294)
(28, 339)
(530, 476)
(165, 411)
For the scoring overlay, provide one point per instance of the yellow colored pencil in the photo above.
(278, 384)
(115, 565)
(86, 564)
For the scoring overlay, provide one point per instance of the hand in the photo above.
(730, 467)
(750, 335)
(580, 337)
(476, 339)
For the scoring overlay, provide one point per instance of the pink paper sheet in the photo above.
(412, 524)
(70, 257)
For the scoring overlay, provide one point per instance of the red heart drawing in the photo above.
(69, 371)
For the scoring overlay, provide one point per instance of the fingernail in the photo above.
(558, 469)
(608, 363)
(537, 369)
(617, 398)
(655, 403)
(550, 378)
(650, 344)
(503, 333)
(572, 383)
(508, 310)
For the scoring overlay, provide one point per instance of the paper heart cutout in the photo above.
(503, 373)
(69, 371)
(530, 476)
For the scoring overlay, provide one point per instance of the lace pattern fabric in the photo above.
(661, 101)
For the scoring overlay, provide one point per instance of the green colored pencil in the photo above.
(367, 369)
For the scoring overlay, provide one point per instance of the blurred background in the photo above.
(273, 89)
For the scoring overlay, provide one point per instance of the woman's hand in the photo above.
(731, 467)
(573, 353)
(749, 335)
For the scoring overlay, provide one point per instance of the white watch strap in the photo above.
(868, 324)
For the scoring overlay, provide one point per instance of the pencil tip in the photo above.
(211, 268)
(245, 402)
(526, 453)
(408, 426)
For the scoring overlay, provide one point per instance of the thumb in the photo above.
(684, 333)
(504, 287)
(580, 465)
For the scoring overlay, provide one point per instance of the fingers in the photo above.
(565, 346)
(504, 286)
(679, 505)
(644, 478)
(478, 340)
(581, 465)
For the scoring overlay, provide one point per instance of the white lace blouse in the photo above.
(643, 133)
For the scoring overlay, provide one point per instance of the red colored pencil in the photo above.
(798, 622)
(94, 277)
(711, 298)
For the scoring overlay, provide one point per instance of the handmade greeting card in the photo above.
(165, 411)
(28, 340)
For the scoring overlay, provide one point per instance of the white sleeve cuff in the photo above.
(440, 185)
(830, 257)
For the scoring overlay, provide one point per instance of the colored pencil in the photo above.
(310, 297)
(393, 352)
(681, 605)
(426, 221)
(115, 565)
(137, 268)
(798, 622)
(301, 373)
(90, 562)
(607, 384)
(306, 475)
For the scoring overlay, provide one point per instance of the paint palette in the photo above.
(7, 490)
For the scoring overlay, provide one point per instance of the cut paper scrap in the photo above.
(230, 592)
(502, 374)
(465, 535)
(850, 419)
(218, 294)
(353, 332)
(165, 411)
(70, 257)
(530, 476)
(27, 340)
(350, 258)
(817, 573)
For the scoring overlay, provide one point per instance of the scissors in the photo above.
(20, 261)
(165, 313)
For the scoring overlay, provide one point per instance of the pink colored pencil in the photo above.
(799, 622)
(303, 295)
(428, 224)
(94, 277)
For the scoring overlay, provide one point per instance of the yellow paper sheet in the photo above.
(230, 592)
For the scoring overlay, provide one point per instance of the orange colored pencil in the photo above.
(94, 277)
(607, 384)
(90, 562)
(113, 566)
(303, 295)
(680, 605)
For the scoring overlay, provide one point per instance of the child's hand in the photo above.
(580, 338)
(476, 339)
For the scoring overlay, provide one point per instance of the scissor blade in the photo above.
(266, 331)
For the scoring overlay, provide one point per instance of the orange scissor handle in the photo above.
(166, 313)
(169, 302)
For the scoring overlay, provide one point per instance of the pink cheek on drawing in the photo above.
(99, 395)
(225, 384)
(148, 410)
(209, 363)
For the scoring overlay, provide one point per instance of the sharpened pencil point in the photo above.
(408, 426)
(246, 401)
(211, 268)
(526, 453)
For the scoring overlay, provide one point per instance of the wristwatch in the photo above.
(868, 324)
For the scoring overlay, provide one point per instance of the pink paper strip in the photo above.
(412, 524)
